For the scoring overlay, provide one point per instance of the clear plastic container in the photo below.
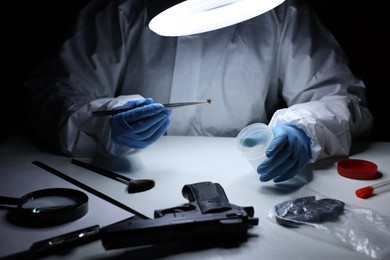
(252, 142)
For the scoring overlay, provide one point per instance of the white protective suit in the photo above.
(252, 71)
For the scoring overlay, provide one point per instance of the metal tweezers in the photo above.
(169, 105)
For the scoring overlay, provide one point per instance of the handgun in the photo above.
(207, 215)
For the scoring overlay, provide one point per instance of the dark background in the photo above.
(33, 30)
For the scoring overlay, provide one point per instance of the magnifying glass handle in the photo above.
(66, 241)
(9, 201)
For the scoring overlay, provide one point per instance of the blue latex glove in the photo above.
(288, 153)
(141, 126)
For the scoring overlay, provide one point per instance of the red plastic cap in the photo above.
(357, 169)
(365, 192)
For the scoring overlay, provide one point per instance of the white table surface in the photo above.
(174, 161)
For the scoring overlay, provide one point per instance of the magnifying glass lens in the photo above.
(48, 204)
(53, 206)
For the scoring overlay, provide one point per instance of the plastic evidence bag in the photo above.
(360, 229)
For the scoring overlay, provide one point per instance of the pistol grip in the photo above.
(210, 196)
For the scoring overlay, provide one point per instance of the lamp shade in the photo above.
(197, 16)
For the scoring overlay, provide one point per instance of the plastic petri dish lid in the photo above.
(253, 140)
(357, 169)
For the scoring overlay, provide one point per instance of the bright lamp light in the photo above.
(197, 16)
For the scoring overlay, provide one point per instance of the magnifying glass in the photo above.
(50, 206)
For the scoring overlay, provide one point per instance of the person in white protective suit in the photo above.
(282, 68)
